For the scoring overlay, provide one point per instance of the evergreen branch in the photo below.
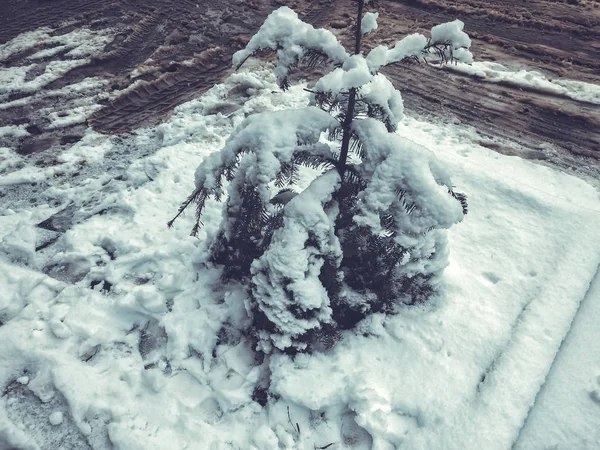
(335, 105)
(357, 147)
(288, 175)
(335, 134)
(444, 51)
(428, 230)
(199, 197)
(409, 207)
(400, 193)
(312, 58)
(314, 160)
(184, 205)
(366, 108)
(284, 84)
(200, 194)
(353, 177)
(388, 222)
(462, 198)
(275, 222)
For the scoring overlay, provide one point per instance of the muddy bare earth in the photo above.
(166, 52)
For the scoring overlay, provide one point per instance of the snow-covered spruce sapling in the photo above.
(369, 233)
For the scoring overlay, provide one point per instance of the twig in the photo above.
(297, 427)
(324, 447)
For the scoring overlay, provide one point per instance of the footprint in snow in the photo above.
(353, 435)
(44, 418)
(491, 277)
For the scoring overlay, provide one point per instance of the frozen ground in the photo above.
(113, 336)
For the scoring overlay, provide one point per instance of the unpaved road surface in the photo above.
(163, 53)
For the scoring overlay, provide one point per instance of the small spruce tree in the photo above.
(369, 233)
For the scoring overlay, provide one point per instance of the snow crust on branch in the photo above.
(415, 45)
(452, 32)
(411, 45)
(381, 92)
(285, 279)
(394, 164)
(353, 74)
(369, 22)
(273, 137)
(285, 32)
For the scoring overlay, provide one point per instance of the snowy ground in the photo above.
(114, 337)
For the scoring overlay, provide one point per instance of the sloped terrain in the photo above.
(162, 54)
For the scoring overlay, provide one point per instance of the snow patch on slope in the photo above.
(532, 79)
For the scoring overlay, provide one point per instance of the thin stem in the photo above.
(351, 99)
(358, 34)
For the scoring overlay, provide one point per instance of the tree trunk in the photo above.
(351, 99)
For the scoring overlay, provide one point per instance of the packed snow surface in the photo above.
(113, 336)
(566, 411)
(75, 47)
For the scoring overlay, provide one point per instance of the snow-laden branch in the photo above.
(285, 281)
(273, 137)
(381, 92)
(449, 37)
(285, 32)
(447, 42)
(394, 165)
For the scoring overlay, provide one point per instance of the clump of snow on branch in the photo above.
(381, 92)
(353, 74)
(369, 22)
(286, 282)
(416, 45)
(453, 32)
(272, 137)
(411, 45)
(285, 32)
(395, 164)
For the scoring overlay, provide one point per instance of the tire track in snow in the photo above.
(570, 336)
(514, 378)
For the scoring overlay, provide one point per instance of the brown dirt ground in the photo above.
(559, 37)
